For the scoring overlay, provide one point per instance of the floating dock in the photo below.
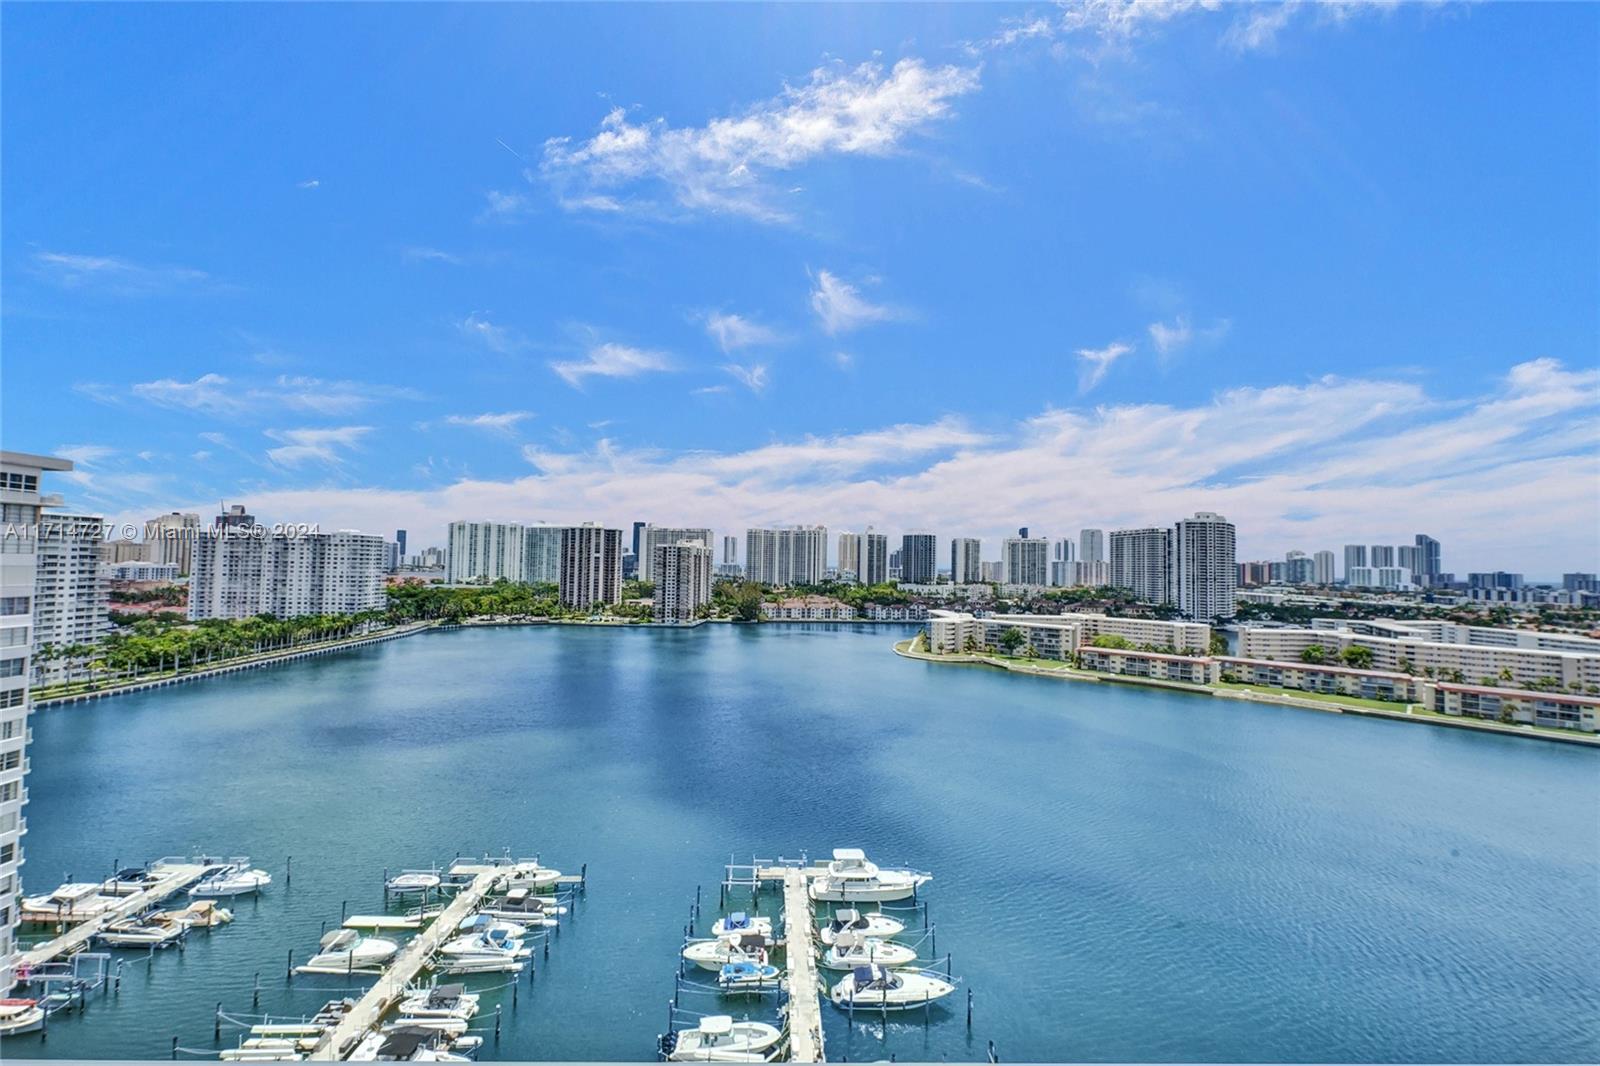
(800, 962)
(175, 876)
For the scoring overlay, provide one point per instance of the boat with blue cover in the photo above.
(747, 976)
(739, 923)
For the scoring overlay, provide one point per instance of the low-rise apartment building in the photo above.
(1553, 710)
(1320, 678)
(809, 609)
(1059, 636)
(1159, 666)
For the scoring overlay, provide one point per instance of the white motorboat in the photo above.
(201, 914)
(877, 988)
(718, 1038)
(749, 977)
(410, 1043)
(851, 878)
(18, 1016)
(874, 925)
(152, 931)
(850, 950)
(525, 906)
(347, 951)
(128, 882)
(483, 923)
(461, 965)
(412, 882)
(493, 944)
(716, 953)
(440, 1001)
(236, 877)
(72, 902)
(531, 875)
(739, 923)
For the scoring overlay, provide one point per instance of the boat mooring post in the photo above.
(288, 869)
(344, 907)
(514, 987)
(969, 1009)
(288, 971)
(116, 981)
(583, 878)
(216, 1024)
(255, 994)
(497, 1007)
(933, 940)
(174, 1047)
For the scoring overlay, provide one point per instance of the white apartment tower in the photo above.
(652, 536)
(795, 556)
(1141, 562)
(1026, 560)
(874, 558)
(1322, 565)
(1355, 558)
(170, 539)
(850, 547)
(20, 505)
(591, 565)
(730, 551)
(541, 555)
(485, 552)
(241, 571)
(966, 566)
(919, 558)
(682, 575)
(71, 595)
(1063, 563)
(1092, 546)
(1204, 572)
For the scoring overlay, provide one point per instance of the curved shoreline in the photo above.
(1068, 673)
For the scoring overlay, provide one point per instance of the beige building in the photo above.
(1059, 636)
(682, 575)
(809, 609)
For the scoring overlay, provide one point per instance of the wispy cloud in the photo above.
(1094, 363)
(1171, 340)
(732, 332)
(328, 445)
(309, 183)
(611, 361)
(503, 423)
(725, 165)
(752, 377)
(496, 338)
(113, 273)
(504, 206)
(416, 254)
(215, 394)
(841, 308)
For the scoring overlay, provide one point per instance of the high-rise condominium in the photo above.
(20, 504)
(1063, 563)
(1092, 546)
(651, 536)
(795, 556)
(1428, 563)
(1141, 562)
(171, 540)
(1355, 558)
(241, 571)
(541, 554)
(874, 558)
(682, 576)
(850, 545)
(730, 551)
(591, 565)
(966, 568)
(71, 595)
(1204, 571)
(1380, 555)
(1298, 569)
(1027, 560)
(1323, 561)
(919, 558)
(485, 552)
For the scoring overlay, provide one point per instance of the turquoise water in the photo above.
(1121, 874)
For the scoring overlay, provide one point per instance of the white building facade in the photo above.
(484, 552)
(653, 536)
(241, 571)
(1027, 561)
(71, 594)
(792, 556)
(1204, 572)
(1141, 563)
(682, 575)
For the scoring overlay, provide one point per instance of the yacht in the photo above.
(849, 919)
(718, 1038)
(738, 923)
(877, 988)
(533, 876)
(347, 951)
(490, 944)
(748, 977)
(440, 1001)
(412, 882)
(851, 878)
(236, 877)
(150, 931)
(525, 906)
(716, 953)
(850, 950)
(72, 902)
(18, 1016)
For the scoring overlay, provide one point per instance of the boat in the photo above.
(236, 877)
(411, 882)
(716, 953)
(879, 988)
(874, 925)
(409, 1043)
(718, 1038)
(346, 951)
(747, 976)
(850, 950)
(525, 906)
(200, 914)
(491, 944)
(72, 902)
(851, 878)
(738, 923)
(18, 1016)
(531, 875)
(129, 881)
(440, 1001)
(150, 931)
(483, 923)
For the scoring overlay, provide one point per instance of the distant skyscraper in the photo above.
(1298, 569)
(1092, 546)
(541, 555)
(1355, 558)
(1406, 558)
(638, 533)
(730, 551)
(591, 565)
(240, 573)
(1027, 560)
(874, 558)
(654, 535)
(794, 556)
(1141, 561)
(919, 558)
(1429, 565)
(1580, 582)
(171, 539)
(70, 597)
(485, 552)
(966, 568)
(1381, 555)
(1323, 561)
(682, 575)
(1204, 571)
(400, 539)
(1063, 563)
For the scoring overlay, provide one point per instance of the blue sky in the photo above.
(1330, 269)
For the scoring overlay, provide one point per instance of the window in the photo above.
(11, 667)
(7, 853)
(13, 636)
(8, 792)
(15, 605)
(12, 698)
(10, 760)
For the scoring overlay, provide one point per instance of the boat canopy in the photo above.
(849, 855)
(753, 940)
(717, 1025)
(446, 993)
(738, 920)
(403, 1043)
(339, 939)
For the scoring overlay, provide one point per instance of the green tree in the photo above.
(1011, 640)
(1111, 640)
(1357, 656)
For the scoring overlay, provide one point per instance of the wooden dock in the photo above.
(175, 877)
(800, 961)
(391, 987)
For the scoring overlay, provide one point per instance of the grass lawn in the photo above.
(1320, 697)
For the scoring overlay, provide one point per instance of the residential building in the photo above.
(241, 570)
(70, 594)
(874, 558)
(1360, 577)
(1063, 563)
(400, 539)
(791, 556)
(1393, 577)
(682, 576)
(21, 501)
(125, 551)
(1430, 567)
(1327, 679)
(139, 571)
(1256, 573)
(966, 567)
(919, 558)
(1059, 636)
(1141, 561)
(1092, 546)
(591, 565)
(1580, 582)
(1298, 569)
(171, 539)
(1355, 557)
(1405, 556)
(1322, 564)
(1494, 579)
(1380, 555)
(1157, 666)
(1553, 710)
(482, 553)
(541, 554)
(430, 559)
(1027, 561)
(638, 536)
(391, 557)
(994, 572)
(730, 551)
(1203, 570)
(1096, 574)
(808, 609)
(850, 547)
(653, 535)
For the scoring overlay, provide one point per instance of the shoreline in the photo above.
(1287, 699)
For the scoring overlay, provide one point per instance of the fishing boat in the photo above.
(738, 923)
(129, 881)
(718, 1038)
(236, 877)
(851, 878)
(412, 882)
(72, 902)
(200, 914)
(878, 988)
(483, 923)
(531, 875)
(525, 906)
(716, 953)
(150, 931)
(849, 919)
(347, 951)
(18, 1016)
(440, 1001)
(748, 977)
(850, 950)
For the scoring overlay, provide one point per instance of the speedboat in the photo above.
(412, 882)
(716, 953)
(718, 1038)
(850, 950)
(877, 988)
(525, 906)
(409, 1043)
(128, 882)
(201, 914)
(533, 876)
(849, 919)
(851, 878)
(236, 877)
(440, 1001)
(738, 923)
(151, 931)
(72, 902)
(748, 977)
(483, 923)
(18, 1016)
(493, 943)
(346, 951)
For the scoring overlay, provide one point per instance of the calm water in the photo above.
(1122, 875)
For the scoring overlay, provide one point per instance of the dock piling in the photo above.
(255, 994)
(216, 1024)
(969, 1009)
(497, 1023)
(288, 869)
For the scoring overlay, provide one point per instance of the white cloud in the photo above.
(504, 422)
(309, 183)
(113, 273)
(496, 338)
(724, 166)
(753, 377)
(415, 254)
(611, 361)
(732, 332)
(1093, 363)
(215, 394)
(210, 393)
(841, 307)
(504, 206)
(1173, 338)
(324, 445)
